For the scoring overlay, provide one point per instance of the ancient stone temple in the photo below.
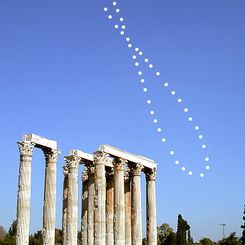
(111, 195)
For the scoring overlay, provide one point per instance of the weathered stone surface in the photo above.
(84, 224)
(40, 141)
(65, 205)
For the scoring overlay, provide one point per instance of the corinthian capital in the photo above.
(100, 157)
(25, 148)
(51, 155)
(150, 174)
(136, 169)
(119, 164)
(72, 161)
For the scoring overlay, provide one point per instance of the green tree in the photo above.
(206, 241)
(10, 237)
(2, 233)
(230, 240)
(171, 239)
(182, 228)
(162, 232)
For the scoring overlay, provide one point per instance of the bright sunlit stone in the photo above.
(163, 140)
(190, 173)
(140, 73)
(183, 168)
(146, 60)
(202, 175)
(136, 63)
(159, 130)
(186, 110)
(204, 146)
(166, 84)
(179, 100)
(200, 137)
(145, 89)
(142, 80)
(121, 19)
(177, 162)
(140, 53)
(152, 112)
(155, 120)
(150, 66)
(127, 39)
(105, 9)
(109, 16)
(171, 153)
(207, 167)
(148, 102)
(173, 92)
(158, 73)
(196, 127)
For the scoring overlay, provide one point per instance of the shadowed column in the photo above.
(100, 198)
(151, 207)
(136, 205)
(84, 225)
(109, 207)
(49, 207)
(24, 192)
(65, 204)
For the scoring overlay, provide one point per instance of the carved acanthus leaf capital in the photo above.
(72, 161)
(100, 157)
(119, 164)
(150, 174)
(25, 148)
(136, 169)
(51, 155)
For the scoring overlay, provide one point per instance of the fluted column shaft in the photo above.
(119, 202)
(100, 198)
(49, 211)
(151, 207)
(127, 195)
(72, 163)
(136, 205)
(91, 193)
(65, 206)
(109, 209)
(84, 224)
(24, 193)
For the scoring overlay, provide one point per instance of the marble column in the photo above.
(84, 225)
(65, 205)
(91, 193)
(127, 196)
(136, 205)
(109, 208)
(49, 206)
(151, 207)
(72, 163)
(119, 202)
(100, 198)
(24, 192)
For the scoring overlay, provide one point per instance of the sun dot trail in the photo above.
(113, 14)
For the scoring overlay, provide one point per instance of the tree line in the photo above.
(166, 236)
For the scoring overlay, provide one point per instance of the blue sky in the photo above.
(67, 74)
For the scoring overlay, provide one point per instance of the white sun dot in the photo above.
(142, 80)
(109, 16)
(136, 63)
(171, 153)
(186, 110)
(190, 173)
(177, 162)
(166, 84)
(145, 89)
(155, 120)
(200, 137)
(123, 27)
(105, 9)
(196, 128)
(204, 146)
(150, 66)
(183, 168)
(117, 10)
(122, 32)
(148, 102)
(136, 49)
(173, 92)
(130, 45)
(179, 100)
(116, 26)
(140, 73)
(158, 73)
(206, 159)
(140, 53)
(152, 112)
(159, 130)
(121, 19)
(134, 57)
(114, 3)
(163, 140)
(207, 167)
(146, 60)
(127, 39)
(202, 175)
(190, 119)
